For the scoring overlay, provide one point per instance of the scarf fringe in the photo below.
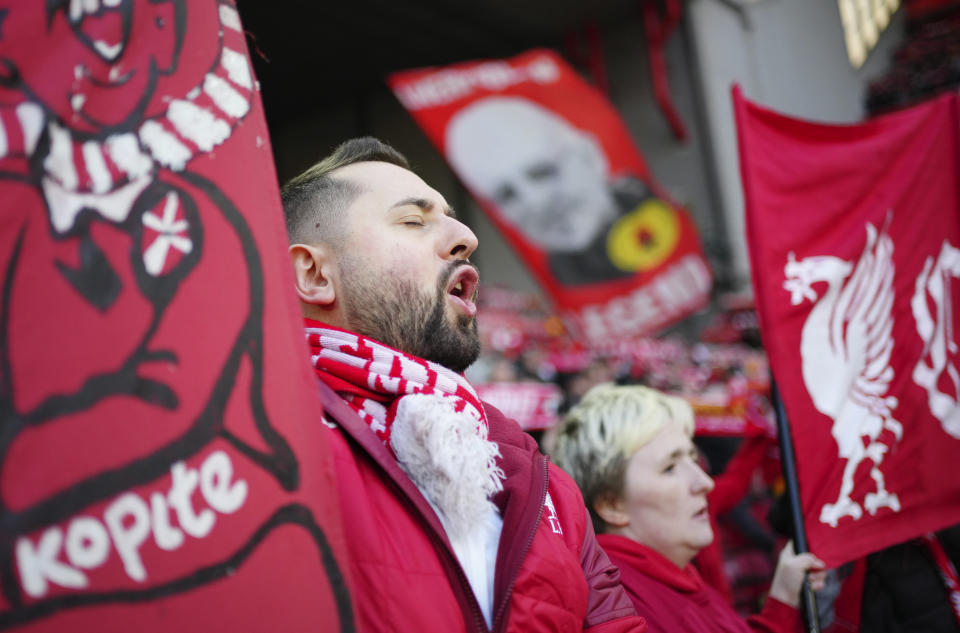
(454, 467)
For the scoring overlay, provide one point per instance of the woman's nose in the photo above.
(702, 482)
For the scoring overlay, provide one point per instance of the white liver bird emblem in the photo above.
(937, 367)
(845, 350)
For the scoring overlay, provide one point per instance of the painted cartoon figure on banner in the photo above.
(937, 365)
(113, 250)
(845, 351)
(552, 181)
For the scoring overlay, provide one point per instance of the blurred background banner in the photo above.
(854, 234)
(164, 466)
(532, 404)
(551, 163)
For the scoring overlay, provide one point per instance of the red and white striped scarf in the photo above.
(372, 378)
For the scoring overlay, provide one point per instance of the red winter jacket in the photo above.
(551, 574)
(674, 599)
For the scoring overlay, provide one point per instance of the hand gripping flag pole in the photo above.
(808, 599)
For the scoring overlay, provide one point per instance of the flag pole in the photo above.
(808, 599)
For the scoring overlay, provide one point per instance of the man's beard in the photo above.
(395, 313)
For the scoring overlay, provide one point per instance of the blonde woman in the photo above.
(630, 450)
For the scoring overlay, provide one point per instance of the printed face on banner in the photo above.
(137, 448)
(117, 57)
(83, 129)
(551, 163)
(854, 248)
(545, 176)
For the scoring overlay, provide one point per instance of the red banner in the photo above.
(532, 404)
(552, 164)
(163, 463)
(854, 236)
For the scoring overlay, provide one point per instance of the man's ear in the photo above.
(314, 269)
(612, 511)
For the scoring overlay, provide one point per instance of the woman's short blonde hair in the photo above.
(598, 436)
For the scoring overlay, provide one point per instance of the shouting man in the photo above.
(454, 520)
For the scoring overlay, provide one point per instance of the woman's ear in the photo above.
(612, 511)
(314, 270)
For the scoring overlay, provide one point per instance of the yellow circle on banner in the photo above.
(643, 238)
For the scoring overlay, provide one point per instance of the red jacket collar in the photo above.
(649, 562)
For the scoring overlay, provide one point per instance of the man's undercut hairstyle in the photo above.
(316, 201)
(601, 433)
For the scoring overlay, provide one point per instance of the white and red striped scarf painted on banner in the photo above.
(372, 378)
(79, 173)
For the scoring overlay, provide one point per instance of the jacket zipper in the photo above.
(498, 624)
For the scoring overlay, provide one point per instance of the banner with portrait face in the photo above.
(550, 161)
(163, 465)
(854, 235)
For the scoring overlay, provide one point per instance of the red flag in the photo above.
(163, 461)
(854, 234)
(553, 166)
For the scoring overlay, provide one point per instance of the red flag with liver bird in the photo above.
(854, 236)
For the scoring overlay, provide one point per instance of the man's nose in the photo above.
(460, 242)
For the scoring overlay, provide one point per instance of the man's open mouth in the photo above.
(462, 287)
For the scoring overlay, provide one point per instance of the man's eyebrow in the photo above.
(425, 205)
